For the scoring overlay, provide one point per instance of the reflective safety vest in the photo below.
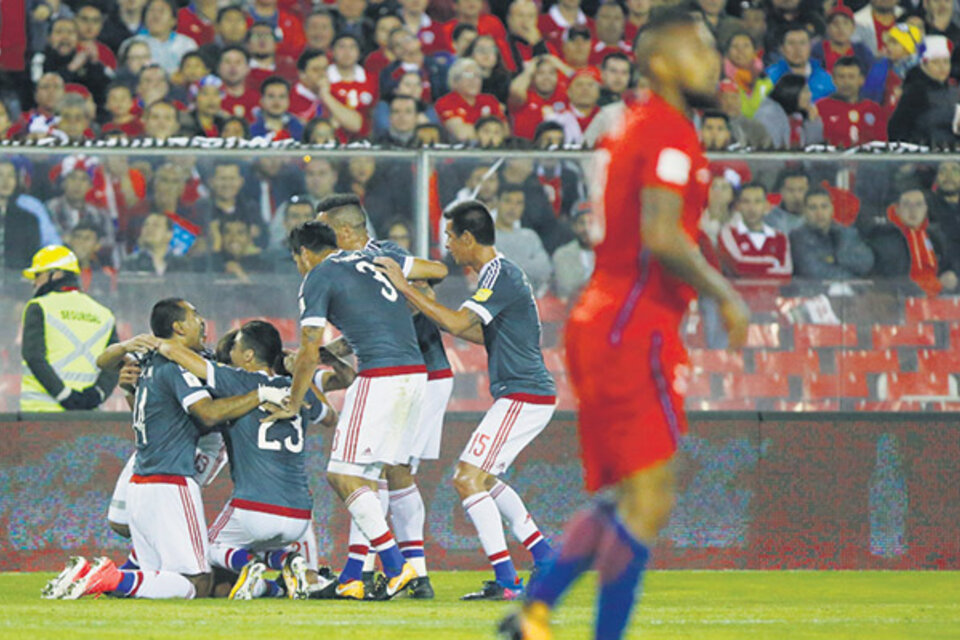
(76, 329)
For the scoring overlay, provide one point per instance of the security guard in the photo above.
(64, 330)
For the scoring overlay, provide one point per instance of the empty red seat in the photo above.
(755, 385)
(698, 385)
(808, 336)
(801, 363)
(861, 361)
(764, 336)
(911, 386)
(736, 404)
(935, 361)
(919, 310)
(916, 335)
(835, 386)
(715, 361)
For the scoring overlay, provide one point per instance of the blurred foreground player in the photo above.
(626, 359)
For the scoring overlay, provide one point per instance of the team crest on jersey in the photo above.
(869, 118)
(703, 175)
(427, 37)
(482, 295)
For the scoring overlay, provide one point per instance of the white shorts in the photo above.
(210, 458)
(167, 525)
(117, 512)
(509, 426)
(379, 419)
(426, 444)
(256, 527)
(307, 547)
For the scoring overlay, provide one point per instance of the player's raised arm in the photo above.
(423, 269)
(112, 356)
(304, 366)
(186, 358)
(663, 236)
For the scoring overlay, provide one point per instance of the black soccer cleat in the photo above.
(493, 590)
(421, 589)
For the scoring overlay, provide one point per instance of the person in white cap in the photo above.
(926, 109)
(64, 330)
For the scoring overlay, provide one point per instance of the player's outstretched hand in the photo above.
(390, 268)
(129, 375)
(141, 343)
(736, 318)
(276, 412)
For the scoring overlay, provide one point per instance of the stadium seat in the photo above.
(835, 386)
(801, 363)
(715, 361)
(940, 362)
(698, 386)
(764, 336)
(861, 361)
(754, 385)
(810, 336)
(889, 336)
(910, 386)
(731, 404)
(918, 310)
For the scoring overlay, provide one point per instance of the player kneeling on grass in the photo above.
(271, 503)
(172, 409)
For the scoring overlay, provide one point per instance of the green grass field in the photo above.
(678, 604)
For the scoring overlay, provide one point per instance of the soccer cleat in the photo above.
(245, 586)
(421, 589)
(399, 582)
(353, 590)
(532, 623)
(369, 581)
(325, 588)
(102, 576)
(294, 575)
(76, 567)
(493, 590)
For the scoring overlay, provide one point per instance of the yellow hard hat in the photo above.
(52, 257)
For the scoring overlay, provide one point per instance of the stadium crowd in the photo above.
(400, 73)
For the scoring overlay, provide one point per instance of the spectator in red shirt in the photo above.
(576, 47)
(407, 50)
(847, 120)
(614, 78)
(561, 17)
(414, 17)
(382, 56)
(582, 96)
(749, 248)
(351, 87)
(89, 19)
(524, 37)
(196, 21)
(120, 107)
(460, 109)
(289, 30)
(265, 57)
(535, 95)
(610, 38)
(638, 14)
(234, 69)
(319, 30)
(305, 99)
(838, 42)
(471, 12)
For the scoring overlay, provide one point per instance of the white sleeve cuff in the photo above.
(407, 265)
(64, 393)
(478, 309)
(211, 370)
(313, 322)
(193, 398)
(318, 380)
(323, 413)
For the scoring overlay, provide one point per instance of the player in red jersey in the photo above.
(653, 177)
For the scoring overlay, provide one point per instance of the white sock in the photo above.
(383, 493)
(485, 516)
(164, 584)
(357, 542)
(409, 515)
(365, 509)
(515, 513)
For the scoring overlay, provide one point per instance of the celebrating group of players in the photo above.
(249, 404)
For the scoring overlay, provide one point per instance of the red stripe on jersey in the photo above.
(440, 374)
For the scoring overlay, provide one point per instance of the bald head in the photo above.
(679, 57)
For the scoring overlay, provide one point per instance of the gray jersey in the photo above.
(166, 434)
(511, 331)
(428, 335)
(347, 290)
(267, 460)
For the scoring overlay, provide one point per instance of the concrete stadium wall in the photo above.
(757, 491)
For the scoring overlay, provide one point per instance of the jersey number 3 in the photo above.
(387, 290)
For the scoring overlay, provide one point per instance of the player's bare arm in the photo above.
(460, 322)
(186, 358)
(663, 236)
(424, 269)
(112, 356)
(212, 412)
(342, 375)
(304, 366)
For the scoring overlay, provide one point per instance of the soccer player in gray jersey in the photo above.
(398, 490)
(501, 315)
(271, 505)
(381, 410)
(172, 409)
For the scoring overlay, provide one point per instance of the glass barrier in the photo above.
(852, 281)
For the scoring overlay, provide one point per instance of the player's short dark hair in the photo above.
(343, 207)
(616, 55)
(233, 47)
(753, 185)
(816, 191)
(314, 236)
(272, 80)
(849, 61)
(716, 114)
(511, 187)
(460, 28)
(224, 345)
(307, 56)
(264, 339)
(472, 216)
(225, 10)
(164, 314)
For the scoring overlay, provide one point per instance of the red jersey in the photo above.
(433, 38)
(133, 129)
(831, 55)
(376, 62)
(360, 94)
(305, 104)
(846, 125)
(190, 24)
(599, 52)
(105, 55)
(243, 105)
(754, 254)
(630, 31)
(656, 146)
(535, 110)
(453, 105)
(487, 25)
(553, 25)
(282, 66)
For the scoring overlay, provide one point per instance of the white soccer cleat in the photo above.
(101, 577)
(77, 566)
(251, 575)
(295, 577)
